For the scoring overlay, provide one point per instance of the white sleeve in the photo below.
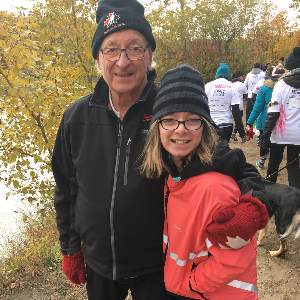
(246, 81)
(276, 96)
(244, 89)
(235, 96)
(258, 86)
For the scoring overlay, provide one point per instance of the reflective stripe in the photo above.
(208, 243)
(166, 239)
(244, 286)
(182, 263)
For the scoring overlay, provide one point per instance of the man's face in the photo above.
(125, 76)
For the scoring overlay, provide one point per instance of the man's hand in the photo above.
(73, 267)
(234, 227)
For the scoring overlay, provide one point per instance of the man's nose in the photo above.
(123, 60)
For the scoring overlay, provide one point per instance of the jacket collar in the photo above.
(227, 161)
(292, 78)
(256, 71)
(101, 91)
(236, 79)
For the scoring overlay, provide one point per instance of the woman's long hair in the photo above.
(153, 164)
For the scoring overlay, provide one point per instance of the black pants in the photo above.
(235, 129)
(276, 155)
(250, 104)
(145, 287)
(226, 132)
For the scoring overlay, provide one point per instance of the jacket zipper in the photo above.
(127, 160)
(112, 230)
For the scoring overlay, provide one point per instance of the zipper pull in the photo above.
(128, 145)
(119, 135)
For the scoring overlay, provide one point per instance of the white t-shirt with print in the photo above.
(289, 97)
(258, 85)
(242, 90)
(251, 80)
(221, 94)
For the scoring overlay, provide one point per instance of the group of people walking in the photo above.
(149, 196)
(274, 109)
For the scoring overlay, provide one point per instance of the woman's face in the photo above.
(180, 142)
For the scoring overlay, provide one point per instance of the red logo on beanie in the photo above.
(112, 18)
(147, 117)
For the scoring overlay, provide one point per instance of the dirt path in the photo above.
(278, 278)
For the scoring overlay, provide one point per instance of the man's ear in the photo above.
(98, 62)
(150, 59)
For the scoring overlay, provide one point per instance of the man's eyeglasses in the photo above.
(132, 53)
(190, 124)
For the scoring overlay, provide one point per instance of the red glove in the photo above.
(234, 227)
(74, 267)
(250, 133)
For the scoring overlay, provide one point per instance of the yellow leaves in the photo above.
(40, 96)
(16, 184)
(48, 64)
(27, 113)
(24, 82)
(41, 76)
(7, 195)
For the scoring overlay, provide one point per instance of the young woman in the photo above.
(202, 177)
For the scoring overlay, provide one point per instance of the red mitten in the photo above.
(250, 133)
(73, 267)
(234, 227)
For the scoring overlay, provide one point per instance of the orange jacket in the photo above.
(225, 274)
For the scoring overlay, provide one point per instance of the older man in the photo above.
(104, 206)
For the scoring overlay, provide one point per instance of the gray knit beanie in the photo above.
(116, 15)
(181, 90)
(293, 61)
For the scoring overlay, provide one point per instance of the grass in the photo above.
(39, 253)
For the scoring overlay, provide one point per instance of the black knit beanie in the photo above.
(293, 61)
(116, 15)
(181, 90)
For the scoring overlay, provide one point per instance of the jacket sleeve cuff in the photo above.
(71, 251)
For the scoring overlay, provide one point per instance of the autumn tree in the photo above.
(203, 33)
(45, 64)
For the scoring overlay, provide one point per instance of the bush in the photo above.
(39, 252)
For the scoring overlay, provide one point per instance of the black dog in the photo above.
(285, 207)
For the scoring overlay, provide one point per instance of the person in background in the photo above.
(260, 108)
(283, 122)
(183, 143)
(251, 79)
(237, 80)
(259, 84)
(109, 217)
(224, 101)
(266, 66)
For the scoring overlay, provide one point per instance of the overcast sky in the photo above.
(10, 4)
